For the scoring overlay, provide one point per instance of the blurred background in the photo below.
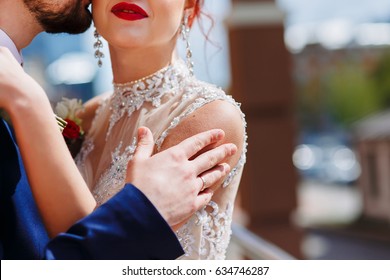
(313, 77)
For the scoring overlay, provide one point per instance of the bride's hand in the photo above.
(171, 178)
(16, 87)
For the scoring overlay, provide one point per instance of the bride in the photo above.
(153, 87)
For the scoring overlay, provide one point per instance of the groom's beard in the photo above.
(72, 18)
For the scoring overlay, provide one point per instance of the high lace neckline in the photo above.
(129, 97)
(142, 84)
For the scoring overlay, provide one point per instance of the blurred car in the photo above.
(327, 160)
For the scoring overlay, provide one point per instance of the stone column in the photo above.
(262, 82)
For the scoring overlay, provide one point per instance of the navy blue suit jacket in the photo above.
(126, 227)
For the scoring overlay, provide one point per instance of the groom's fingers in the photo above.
(192, 145)
(207, 185)
(202, 200)
(145, 144)
(211, 158)
(208, 179)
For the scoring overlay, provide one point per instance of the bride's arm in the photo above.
(58, 188)
(217, 114)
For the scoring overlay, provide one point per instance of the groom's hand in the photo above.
(172, 179)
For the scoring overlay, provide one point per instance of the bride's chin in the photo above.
(126, 40)
(127, 45)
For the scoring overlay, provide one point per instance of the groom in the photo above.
(128, 226)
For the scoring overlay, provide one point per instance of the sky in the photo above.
(212, 63)
(302, 11)
(336, 23)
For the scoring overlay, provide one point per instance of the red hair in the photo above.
(196, 12)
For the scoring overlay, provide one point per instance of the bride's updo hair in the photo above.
(197, 11)
(196, 14)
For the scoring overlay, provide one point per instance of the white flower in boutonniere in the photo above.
(68, 108)
(73, 133)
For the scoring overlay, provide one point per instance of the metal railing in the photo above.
(251, 246)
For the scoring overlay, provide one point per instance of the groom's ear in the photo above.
(190, 4)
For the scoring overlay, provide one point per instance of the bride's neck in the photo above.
(132, 65)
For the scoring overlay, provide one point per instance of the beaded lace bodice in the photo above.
(160, 101)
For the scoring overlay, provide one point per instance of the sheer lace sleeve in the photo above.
(207, 234)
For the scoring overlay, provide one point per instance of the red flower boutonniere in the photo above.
(73, 133)
(71, 130)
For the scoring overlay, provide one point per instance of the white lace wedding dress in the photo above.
(160, 101)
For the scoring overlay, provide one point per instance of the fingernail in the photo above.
(141, 132)
(210, 192)
(233, 149)
(226, 168)
(220, 134)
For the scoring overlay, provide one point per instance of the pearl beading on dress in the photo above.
(129, 97)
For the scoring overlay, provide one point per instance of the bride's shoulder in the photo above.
(199, 88)
(214, 105)
(88, 113)
(210, 108)
(204, 93)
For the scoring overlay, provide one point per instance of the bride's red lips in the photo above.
(128, 11)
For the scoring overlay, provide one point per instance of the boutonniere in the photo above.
(66, 115)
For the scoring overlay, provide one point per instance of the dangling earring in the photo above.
(185, 34)
(98, 45)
